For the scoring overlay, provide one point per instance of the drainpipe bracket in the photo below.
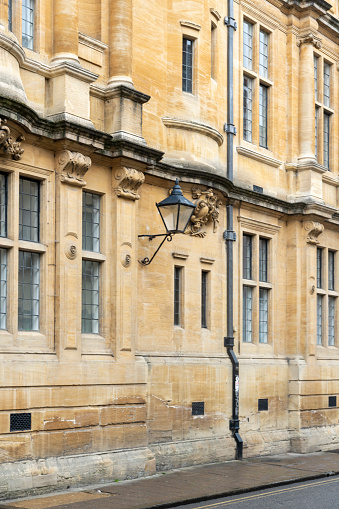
(230, 22)
(234, 424)
(229, 342)
(230, 129)
(230, 235)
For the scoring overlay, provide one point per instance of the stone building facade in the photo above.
(111, 369)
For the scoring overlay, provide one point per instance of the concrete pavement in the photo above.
(191, 484)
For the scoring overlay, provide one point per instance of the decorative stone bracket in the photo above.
(309, 39)
(314, 229)
(7, 144)
(128, 182)
(72, 167)
(207, 209)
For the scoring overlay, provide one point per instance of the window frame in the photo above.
(326, 272)
(185, 88)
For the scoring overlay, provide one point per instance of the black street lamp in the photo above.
(175, 212)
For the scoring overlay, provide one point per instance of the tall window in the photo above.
(323, 111)
(187, 65)
(326, 297)
(213, 51)
(247, 44)
(27, 23)
(178, 274)
(263, 54)
(256, 288)
(90, 297)
(263, 116)
(3, 288)
(204, 298)
(90, 267)
(10, 15)
(256, 83)
(29, 290)
(29, 210)
(3, 205)
(247, 107)
(91, 222)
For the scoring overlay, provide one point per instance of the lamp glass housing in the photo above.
(176, 210)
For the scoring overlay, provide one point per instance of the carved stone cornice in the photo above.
(128, 182)
(309, 39)
(7, 144)
(314, 229)
(72, 166)
(207, 209)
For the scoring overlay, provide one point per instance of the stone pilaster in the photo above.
(306, 43)
(125, 182)
(70, 168)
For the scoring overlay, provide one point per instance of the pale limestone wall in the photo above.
(118, 404)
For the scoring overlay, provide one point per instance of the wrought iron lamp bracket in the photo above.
(167, 236)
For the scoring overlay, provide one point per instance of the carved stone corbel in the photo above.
(314, 229)
(72, 167)
(128, 182)
(7, 144)
(207, 209)
(309, 39)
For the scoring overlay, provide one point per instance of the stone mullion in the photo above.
(120, 41)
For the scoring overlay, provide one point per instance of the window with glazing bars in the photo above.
(319, 319)
(10, 15)
(213, 51)
(263, 315)
(331, 270)
(331, 321)
(28, 210)
(204, 295)
(247, 314)
(90, 297)
(316, 62)
(28, 23)
(263, 253)
(177, 295)
(29, 291)
(263, 54)
(187, 65)
(316, 121)
(3, 288)
(327, 76)
(3, 205)
(247, 108)
(90, 222)
(247, 45)
(247, 257)
(263, 92)
(326, 140)
(319, 267)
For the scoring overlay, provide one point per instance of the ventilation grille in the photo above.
(21, 422)
(258, 189)
(262, 405)
(332, 401)
(198, 408)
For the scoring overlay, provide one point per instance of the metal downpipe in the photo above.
(230, 237)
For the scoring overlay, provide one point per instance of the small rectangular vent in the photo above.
(198, 408)
(258, 189)
(21, 422)
(332, 401)
(262, 405)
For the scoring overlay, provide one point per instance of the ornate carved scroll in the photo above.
(7, 144)
(309, 39)
(72, 167)
(207, 209)
(314, 229)
(128, 182)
